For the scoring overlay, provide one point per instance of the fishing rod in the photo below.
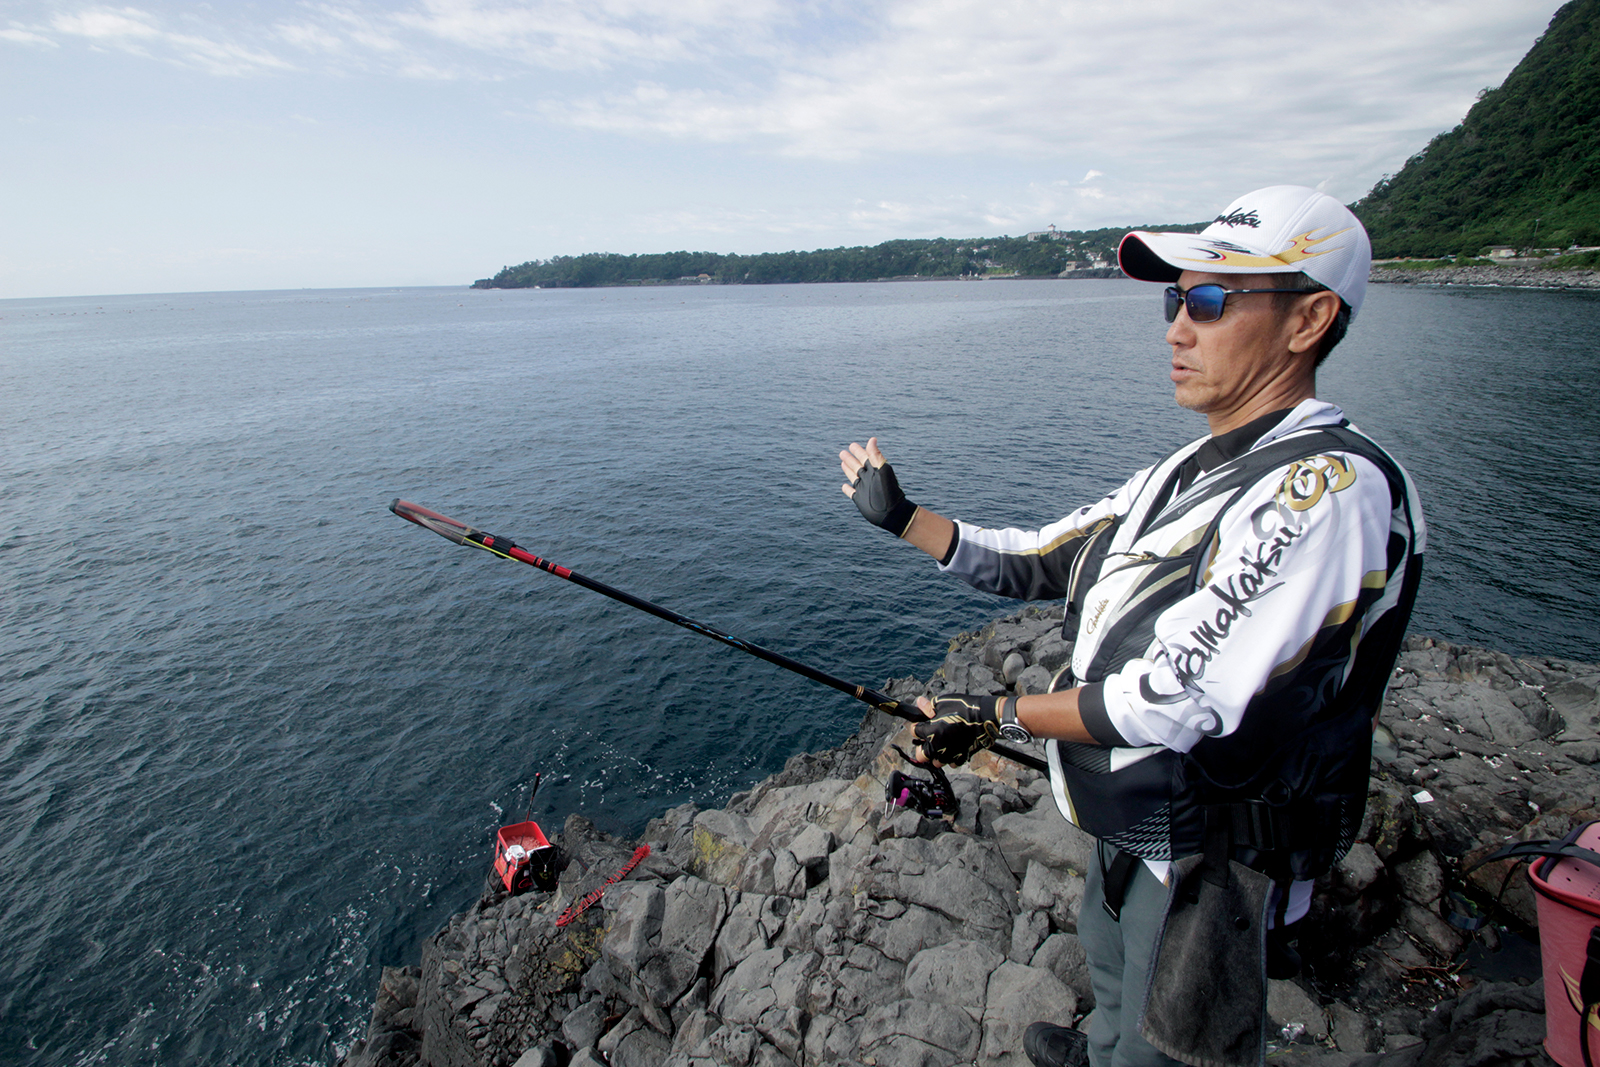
(505, 548)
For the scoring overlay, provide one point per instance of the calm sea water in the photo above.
(256, 733)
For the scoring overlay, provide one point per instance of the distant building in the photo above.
(1502, 252)
(1052, 234)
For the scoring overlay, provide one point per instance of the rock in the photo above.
(798, 924)
(583, 1025)
(643, 1047)
(1420, 878)
(1360, 867)
(1058, 893)
(956, 974)
(746, 992)
(1584, 752)
(691, 917)
(759, 874)
(811, 848)
(624, 1028)
(636, 910)
(1008, 638)
(1576, 702)
(734, 1044)
(852, 984)
(1042, 835)
(721, 842)
(1028, 932)
(1050, 653)
(1294, 1012)
(831, 1040)
(1426, 926)
(540, 1056)
(1012, 668)
(1353, 1031)
(692, 1033)
(751, 924)
(1063, 956)
(1033, 679)
(1390, 821)
(915, 929)
(788, 876)
(953, 874)
(393, 1035)
(1019, 996)
(913, 1033)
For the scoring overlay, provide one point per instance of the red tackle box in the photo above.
(524, 859)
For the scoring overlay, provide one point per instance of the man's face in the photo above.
(1221, 368)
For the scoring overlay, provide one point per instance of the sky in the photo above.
(169, 147)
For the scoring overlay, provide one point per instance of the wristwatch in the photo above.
(1010, 728)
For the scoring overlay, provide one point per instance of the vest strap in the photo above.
(1114, 881)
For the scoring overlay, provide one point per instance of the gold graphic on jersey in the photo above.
(1309, 479)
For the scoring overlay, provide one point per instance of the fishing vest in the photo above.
(1287, 789)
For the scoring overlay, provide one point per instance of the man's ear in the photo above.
(1313, 316)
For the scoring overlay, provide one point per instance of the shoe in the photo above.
(1048, 1045)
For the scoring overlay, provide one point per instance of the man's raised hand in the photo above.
(873, 486)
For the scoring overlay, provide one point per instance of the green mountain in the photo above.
(1042, 255)
(1522, 169)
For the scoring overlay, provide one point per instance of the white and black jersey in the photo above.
(1236, 609)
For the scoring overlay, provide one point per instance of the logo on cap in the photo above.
(1301, 247)
(1240, 218)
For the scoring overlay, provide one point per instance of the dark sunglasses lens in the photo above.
(1174, 302)
(1205, 302)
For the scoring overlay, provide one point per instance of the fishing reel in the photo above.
(931, 797)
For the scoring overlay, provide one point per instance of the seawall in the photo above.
(1517, 277)
(803, 923)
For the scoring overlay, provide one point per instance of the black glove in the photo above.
(879, 497)
(963, 725)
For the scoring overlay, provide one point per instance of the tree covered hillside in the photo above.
(1522, 169)
(939, 257)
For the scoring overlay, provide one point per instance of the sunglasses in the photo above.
(1205, 302)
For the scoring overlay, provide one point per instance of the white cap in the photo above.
(1277, 230)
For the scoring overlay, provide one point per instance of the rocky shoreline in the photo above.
(804, 923)
(1517, 277)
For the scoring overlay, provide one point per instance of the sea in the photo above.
(257, 733)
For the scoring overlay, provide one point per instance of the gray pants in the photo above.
(1119, 956)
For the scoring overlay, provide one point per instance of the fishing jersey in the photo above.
(1233, 640)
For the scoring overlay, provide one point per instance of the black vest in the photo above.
(1289, 786)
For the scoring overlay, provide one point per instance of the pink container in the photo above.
(1568, 894)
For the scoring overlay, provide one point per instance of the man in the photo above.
(1236, 610)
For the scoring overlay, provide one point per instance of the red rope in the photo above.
(579, 907)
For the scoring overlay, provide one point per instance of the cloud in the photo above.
(859, 221)
(1166, 108)
(21, 36)
(1203, 98)
(1143, 79)
(139, 32)
(108, 24)
(472, 39)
